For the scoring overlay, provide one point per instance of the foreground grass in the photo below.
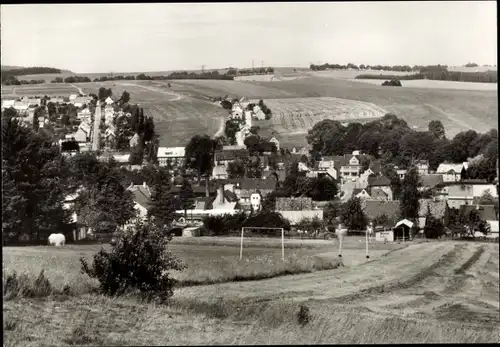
(206, 264)
(96, 320)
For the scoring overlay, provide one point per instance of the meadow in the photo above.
(435, 84)
(438, 292)
(39, 90)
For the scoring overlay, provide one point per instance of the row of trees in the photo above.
(13, 81)
(393, 141)
(327, 66)
(245, 72)
(71, 79)
(10, 75)
(441, 75)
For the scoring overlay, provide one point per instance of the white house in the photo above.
(422, 167)
(451, 172)
(84, 115)
(173, 156)
(142, 199)
(276, 142)
(109, 101)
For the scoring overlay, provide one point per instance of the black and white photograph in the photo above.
(250, 173)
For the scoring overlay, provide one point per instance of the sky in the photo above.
(161, 37)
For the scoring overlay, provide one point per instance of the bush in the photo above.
(392, 83)
(139, 260)
(434, 228)
(26, 286)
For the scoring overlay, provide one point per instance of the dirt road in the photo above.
(222, 127)
(79, 89)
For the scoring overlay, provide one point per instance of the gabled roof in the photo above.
(450, 168)
(356, 191)
(231, 154)
(431, 180)
(437, 208)
(279, 174)
(255, 183)
(404, 222)
(377, 192)
(378, 181)
(141, 195)
(204, 203)
(376, 208)
(230, 196)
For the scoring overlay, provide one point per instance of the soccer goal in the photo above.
(264, 228)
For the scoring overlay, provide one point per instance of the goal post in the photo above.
(260, 228)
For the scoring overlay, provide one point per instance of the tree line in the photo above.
(443, 75)
(326, 66)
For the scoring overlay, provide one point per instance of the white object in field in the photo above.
(255, 201)
(57, 240)
(384, 236)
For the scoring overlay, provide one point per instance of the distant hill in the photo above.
(23, 70)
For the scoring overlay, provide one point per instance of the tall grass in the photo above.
(229, 269)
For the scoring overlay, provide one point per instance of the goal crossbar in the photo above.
(267, 228)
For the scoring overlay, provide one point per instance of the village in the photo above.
(93, 126)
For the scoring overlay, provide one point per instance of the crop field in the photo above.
(350, 74)
(435, 84)
(294, 117)
(61, 89)
(436, 292)
(177, 116)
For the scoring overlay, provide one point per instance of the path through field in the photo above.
(441, 280)
(79, 89)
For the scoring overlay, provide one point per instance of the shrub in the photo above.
(433, 228)
(25, 286)
(303, 315)
(138, 261)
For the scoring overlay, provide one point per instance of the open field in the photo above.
(208, 259)
(185, 108)
(60, 89)
(435, 84)
(437, 292)
(350, 74)
(177, 117)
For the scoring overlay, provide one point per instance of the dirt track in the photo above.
(443, 280)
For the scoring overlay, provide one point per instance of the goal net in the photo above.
(263, 229)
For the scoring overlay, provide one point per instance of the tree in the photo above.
(236, 169)
(253, 169)
(199, 156)
(104, 204)
(409, 197)
(472, 222)
(322, 188)
(9, 113)
(164, 202)
(125, 97)
(434, 228)
(186, 196)
(389, 172)
(352, 215)
(35, 184)
(436, 128)
(487, 199)
(331, 211)
(139, 260)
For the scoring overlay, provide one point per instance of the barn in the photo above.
(402, 230)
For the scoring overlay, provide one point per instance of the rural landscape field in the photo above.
(419, 292)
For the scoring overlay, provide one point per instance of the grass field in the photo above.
(435, 84)
(61, 89)
(177, 115)
(437, 292)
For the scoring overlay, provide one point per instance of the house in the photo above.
(245, 187)
(80, 230)
(222, 158)
(361, 193)
(82, 135)
(134, 140)
(173, 157)
(380, 188)
(109, 115)
(422, 167)
(276, 175)
(226, 199)
(109, 101)
(84, 115)
(376, 208)
(464, 192)
(451, 172)
(204, 203)
(401, 173)
(348, 166)
(237, 111)
(110, 136)
(430, 181)
(276, 142)
(142, 199)
(297, 209)
(438, 209)
(258, 113)
(326, 166)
